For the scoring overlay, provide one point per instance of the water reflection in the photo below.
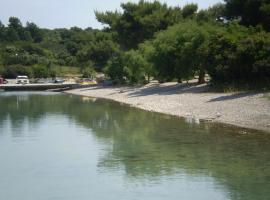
(150, 147)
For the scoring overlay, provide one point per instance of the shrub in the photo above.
(240, 60)
(15, 70)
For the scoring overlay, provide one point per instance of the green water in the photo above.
(62, 147)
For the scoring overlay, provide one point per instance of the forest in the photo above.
(229, 41)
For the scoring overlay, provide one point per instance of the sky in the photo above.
(69, 13)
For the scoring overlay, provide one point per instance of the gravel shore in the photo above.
(248, 110)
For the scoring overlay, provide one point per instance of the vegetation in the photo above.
(42, 52)
(148, 40)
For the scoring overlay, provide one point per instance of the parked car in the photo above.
(22, 80)
(1, 80)
(58, 81)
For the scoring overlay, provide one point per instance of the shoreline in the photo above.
(250, 110)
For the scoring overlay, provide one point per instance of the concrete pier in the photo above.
(38, 87)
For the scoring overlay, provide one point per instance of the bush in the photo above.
(135, 66)
(41, 71)
(115, 69)
(176, 51)
(240, 59)
(15, 70)
(2, 70)
(130, 67)
(88, 72)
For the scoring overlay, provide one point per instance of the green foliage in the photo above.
(15, 70)
(11, 35)
(135, 66)
(189, 10)
(32, 46)
(176, 51)
(2, 70)
(14, 32)
(108, 18)
(212, 14)
(43, 71)
(249, 12)
(131, 67)
(24, 54)
(244, 59)
(139, 21)
(147, 51)
(88, 70)
(35, 32)
(115, 69)
(99, 50)
(149, 39)
(217, 10)
(65, 71)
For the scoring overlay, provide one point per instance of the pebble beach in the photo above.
(243, 109)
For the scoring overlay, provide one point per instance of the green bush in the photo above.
(116, 70)
(176, 51)
(2, 70)
(240, 59)
(130, 67)
(41, 71)
(15, 70)
(135, 66)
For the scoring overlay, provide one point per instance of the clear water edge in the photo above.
(55, 146)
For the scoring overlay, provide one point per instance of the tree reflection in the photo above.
(150, 145)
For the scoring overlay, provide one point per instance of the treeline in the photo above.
(146, 40)
(228, 41)
(38, 52)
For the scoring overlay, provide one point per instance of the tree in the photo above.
(15, 70)
(16, 31)
(215, 13)
(15, 23)
(99, 50)
(147, 51)
(239, 57)
(135, 66)
(115, 69)
(12, 35)
(41, 71)
(217, 10)
(177, 51)
(189, 10)
(139, 21)
(88, 70)
(249, 12)
(2, 31)
(25, 35)
(35, 31)
(108, 18)
(2, 25)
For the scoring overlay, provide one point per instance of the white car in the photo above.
(22, 80)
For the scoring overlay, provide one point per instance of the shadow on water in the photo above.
(154, 145)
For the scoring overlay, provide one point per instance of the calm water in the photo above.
(61, 147)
